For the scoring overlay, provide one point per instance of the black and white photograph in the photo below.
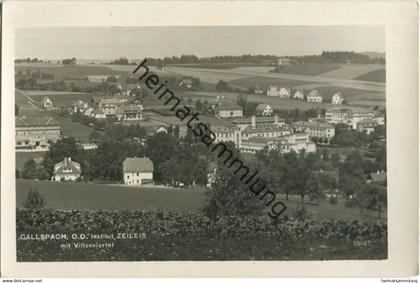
(201, 143)
(211, 139)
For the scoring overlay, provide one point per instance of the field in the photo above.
(351, 71)
(221, 66)
(112, 197)
(374, 76)
(264, 82)
(307, 69)
(61, 72)
(94, 196)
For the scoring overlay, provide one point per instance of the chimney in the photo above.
(253, 122)
(276, 119)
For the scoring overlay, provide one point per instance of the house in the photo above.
(89, 111)
(264, 110)
(36, 132)
(273, 91)
(367, 125)
(109, 105)
(80, 106)
(314, 97)
(299, 95)
(47, 103)
(228, 110)
(138, 171)
(284, 93)
(66, 170)
(318, 130)
(98, 114)
(338, 115)
(337, 98)
(258, 90)
(129, 113)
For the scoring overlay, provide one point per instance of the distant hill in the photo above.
(374, 55)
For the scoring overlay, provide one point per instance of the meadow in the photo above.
(95, 196)
(307, 69)
(374, 76)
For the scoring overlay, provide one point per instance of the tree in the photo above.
(34, 200)
(223, 86)
(230, 197)
(111, 79)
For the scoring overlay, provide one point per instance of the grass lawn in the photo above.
(374, 76)
(75, 129)
(94, 196)
(307, 69)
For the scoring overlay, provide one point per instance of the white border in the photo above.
(400, 19)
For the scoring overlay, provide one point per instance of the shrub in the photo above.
(34, 199)
(333, 200)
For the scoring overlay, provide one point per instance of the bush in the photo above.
(34, 200)
(333, 200)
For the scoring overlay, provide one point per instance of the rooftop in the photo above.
(138, 165)
(35, 122)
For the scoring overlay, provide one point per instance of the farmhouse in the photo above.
(314, 97)
(267, 131)
(264, 110)
(46, 103)
(228, 110)
(36, 132)
(273, 91)
(299, 95)
(138, 171)
(337, 98)
(281, 93)
(66, 170)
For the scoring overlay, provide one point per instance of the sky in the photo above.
(139, 42)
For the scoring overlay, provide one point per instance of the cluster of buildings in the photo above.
(256, 133)
(361, 120)
(313, 96)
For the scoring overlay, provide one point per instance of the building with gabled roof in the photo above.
(79, 106)
(264, 109)
(229, 110)
(138, 171)
(67, 170)
(314, 97)
(337, 98)
(36, 132)
(46, 102)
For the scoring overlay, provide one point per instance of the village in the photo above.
(250, 134)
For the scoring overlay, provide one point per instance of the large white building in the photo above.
(137, 171)
(264, 110)
(36, 132)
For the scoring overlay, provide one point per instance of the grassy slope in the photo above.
(220, 66)
(374, 76)
(264, 82)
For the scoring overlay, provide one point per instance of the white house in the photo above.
(284, 93)
(273, 91)
(264, 110)
(66, 170)
(46, 102)
(137, 171)
(299, 95)
(314, 97)
(337, 98)
(80, 106)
